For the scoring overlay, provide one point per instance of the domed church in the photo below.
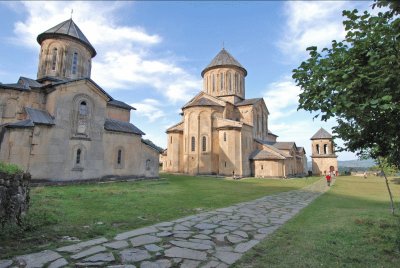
(62, 125)
(223, 133)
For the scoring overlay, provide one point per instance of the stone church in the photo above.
(223, 133)
(62, 125)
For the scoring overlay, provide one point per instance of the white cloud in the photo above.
(281, 98)
(150, 108)
(125, 59)
(311, 23)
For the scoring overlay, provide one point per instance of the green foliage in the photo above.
(357, 82)
(10, 168)
(389, 169)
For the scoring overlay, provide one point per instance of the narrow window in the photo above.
(193, 144)
(225, 163)
(54, 59)
(229, 81)
(78, 156)
(222, 81)
(262, 167)
(213, 82)
(74, 62)
(224, 136)
(171, 140)
(148, 164)
(83, 110)
(236, 83)
(317, 147)
(204, 143)
(325, 148)
(89, 67)
(119, 157)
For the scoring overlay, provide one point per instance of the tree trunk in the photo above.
(387, 186)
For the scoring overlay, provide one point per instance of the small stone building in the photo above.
(62, 125)
(224, 133)
(324, 159)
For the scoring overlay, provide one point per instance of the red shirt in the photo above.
(328, 177)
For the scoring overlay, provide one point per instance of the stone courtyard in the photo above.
(211, 239)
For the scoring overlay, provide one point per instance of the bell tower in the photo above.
(224, 77)
(324, 159)
(65, 53)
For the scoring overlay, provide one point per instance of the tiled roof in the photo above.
(28, 82)
(282, 145)
(223, 58)
(70, 29)
(39, 116)
(20, 124)
(272, 134)
(248, 102)
(201, 102)
(321, 134)
(120, 104)
(264, 155)
(121, 126)
(152, 145)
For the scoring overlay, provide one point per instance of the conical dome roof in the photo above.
(321, 135)
(70, 29)
(223, 59)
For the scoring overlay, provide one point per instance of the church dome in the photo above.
(69, 29)
(223, 59)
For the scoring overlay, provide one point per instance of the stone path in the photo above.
(211, 239)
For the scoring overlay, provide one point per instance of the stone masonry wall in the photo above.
(14, 197)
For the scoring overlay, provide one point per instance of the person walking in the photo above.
(328, 179)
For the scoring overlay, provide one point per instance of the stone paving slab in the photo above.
(209, 239)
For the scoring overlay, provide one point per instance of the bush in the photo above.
(10, 168)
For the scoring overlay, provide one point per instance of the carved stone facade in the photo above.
(63, 126)
(324, 159)
(224, 133)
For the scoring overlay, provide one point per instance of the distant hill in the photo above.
(353, 165)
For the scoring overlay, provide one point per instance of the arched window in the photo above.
(119, 157)
(54, 59)
(262, 167)
(222, 81)
(224, 136)
(89, 68)
(78, 156)
(83, 109)
(148, 164)
(193, 144)
(317, 148)
(325, 148)
(171, 139)
(213, 82)
(74, 62)
(204, 143)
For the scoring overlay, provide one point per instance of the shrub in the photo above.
(10, 168)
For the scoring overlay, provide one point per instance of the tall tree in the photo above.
(357, 81)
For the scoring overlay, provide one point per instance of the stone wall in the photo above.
(14, 197)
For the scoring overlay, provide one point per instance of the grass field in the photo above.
(92, 210)
(349, 226)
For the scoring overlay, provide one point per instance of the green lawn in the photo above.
(92, 210)
(349, 226)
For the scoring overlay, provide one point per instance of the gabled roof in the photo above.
(120, 104)
(202, 102)
(39, 116)
(223, 59)
(177, 127)
(67, 28)
(321, 135)
(152, 145)
(121, 126)
(282, 145)
(272, 134)
(248, 102)
(273, 148)
(20, 124)
(264, 155)
(23, 84)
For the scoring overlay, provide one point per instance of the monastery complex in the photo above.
(223, 133)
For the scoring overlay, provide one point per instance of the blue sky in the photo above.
(151, 54)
